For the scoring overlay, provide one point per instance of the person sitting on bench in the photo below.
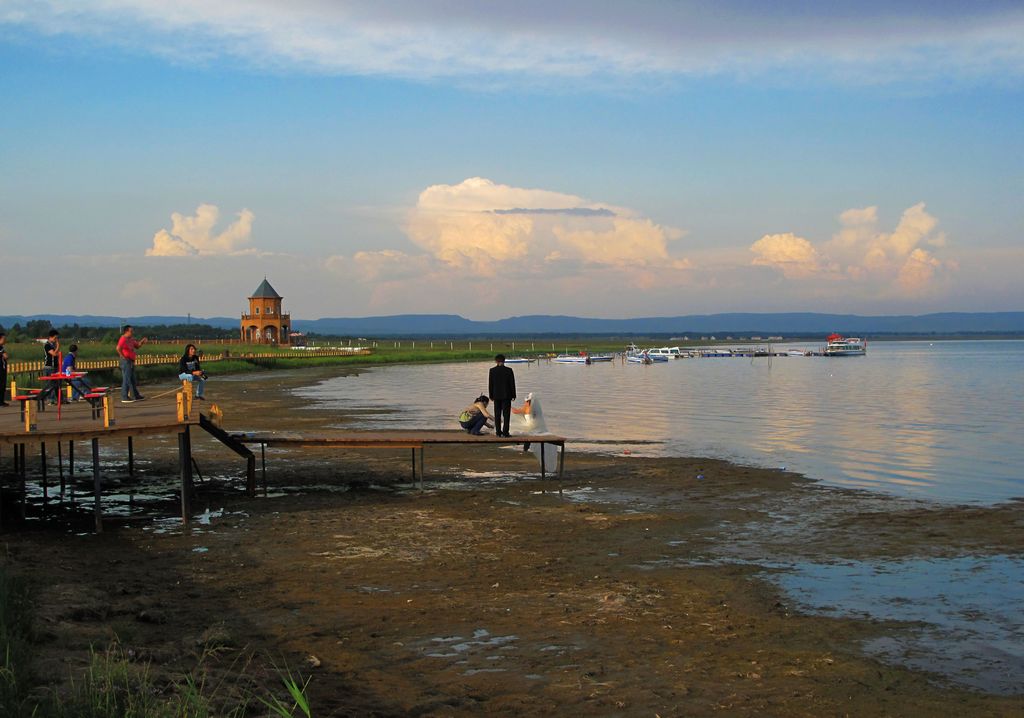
(190, 370)
(79, 387)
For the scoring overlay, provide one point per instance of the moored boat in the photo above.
(840, 346)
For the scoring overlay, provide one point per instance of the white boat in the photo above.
(582, 358)
(840, 346)
(519, 360)
(798, 353)
(665, 352)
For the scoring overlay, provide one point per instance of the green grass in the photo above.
(16, 676)
(113, 685)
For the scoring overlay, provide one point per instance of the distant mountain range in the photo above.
(439, 325)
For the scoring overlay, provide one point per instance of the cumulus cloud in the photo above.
(903, 260)
(582, 38)
(485, 227)
(195, 235)
(794, 256)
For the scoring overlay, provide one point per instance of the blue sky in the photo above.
(661, 158)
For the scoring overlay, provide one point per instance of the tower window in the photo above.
(257, 310)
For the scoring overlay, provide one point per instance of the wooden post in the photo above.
(29, 426)
(108, 411)
(42, 470)
(250, 476)
(131, 458)
(181, 407)
(421, 468)
(60, 465)
(23, 470)
(185, 462)
(543, 468)
(414, 465)
(263, 466)
(97, 512)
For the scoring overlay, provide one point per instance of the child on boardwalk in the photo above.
(79, 386)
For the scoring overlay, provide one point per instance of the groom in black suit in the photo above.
(502, 390)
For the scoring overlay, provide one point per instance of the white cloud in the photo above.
(487, 228)
(794, 256)
(194, 235)
(572, 40)
(894, 262)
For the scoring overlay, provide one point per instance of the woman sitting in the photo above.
(475, 417)
(189, 370)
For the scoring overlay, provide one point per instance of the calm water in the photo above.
(936, 420)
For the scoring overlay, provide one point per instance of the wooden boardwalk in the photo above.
(159, 417)
(151, 417)
(406, 439)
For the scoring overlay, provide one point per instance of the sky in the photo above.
(493, 159)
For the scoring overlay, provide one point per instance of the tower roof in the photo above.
(265, 291)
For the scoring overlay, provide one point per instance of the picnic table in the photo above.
(59, 378)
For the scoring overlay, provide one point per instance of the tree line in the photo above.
(39, 328)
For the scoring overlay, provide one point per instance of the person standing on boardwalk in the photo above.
(126, 347)
(51, 366)
(3, 368)
(502, 390)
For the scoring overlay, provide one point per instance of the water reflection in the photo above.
(938, 420)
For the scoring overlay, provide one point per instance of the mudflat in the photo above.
(642, 589)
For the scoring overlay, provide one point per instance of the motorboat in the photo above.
(665, 352)
(582, 358)
(519, 360)
(840, 346)
(798, 353)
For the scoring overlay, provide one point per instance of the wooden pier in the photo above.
(174, 416)
(407, 439)
(157, 417)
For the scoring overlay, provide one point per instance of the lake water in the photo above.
(938, 420)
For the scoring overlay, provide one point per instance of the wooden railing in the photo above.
(156, 359)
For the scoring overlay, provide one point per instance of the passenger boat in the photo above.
(840, 346)
(582, 358)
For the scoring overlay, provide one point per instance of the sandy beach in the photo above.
(640, 590)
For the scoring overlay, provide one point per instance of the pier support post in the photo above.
(42, 469)
(250, 476)
(97, 511)
(422, 475)
(185, 461)
(60, 466)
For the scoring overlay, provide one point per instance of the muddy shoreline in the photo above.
(641, 590)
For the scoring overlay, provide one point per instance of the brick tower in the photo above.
(265, 324)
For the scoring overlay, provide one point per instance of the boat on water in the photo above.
(636, 355)
(840, 346)
(665, 352)
(582, 358)
(798, 353)
(519, 360)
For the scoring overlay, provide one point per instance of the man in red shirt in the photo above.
(126, 347)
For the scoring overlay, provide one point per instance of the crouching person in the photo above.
(475, 417)
(189, 369)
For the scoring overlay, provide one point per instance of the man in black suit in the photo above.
(502, 390)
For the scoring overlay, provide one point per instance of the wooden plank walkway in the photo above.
(159, 416)
(398, 439)
(150, 417)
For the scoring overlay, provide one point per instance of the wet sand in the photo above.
(641, 590)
